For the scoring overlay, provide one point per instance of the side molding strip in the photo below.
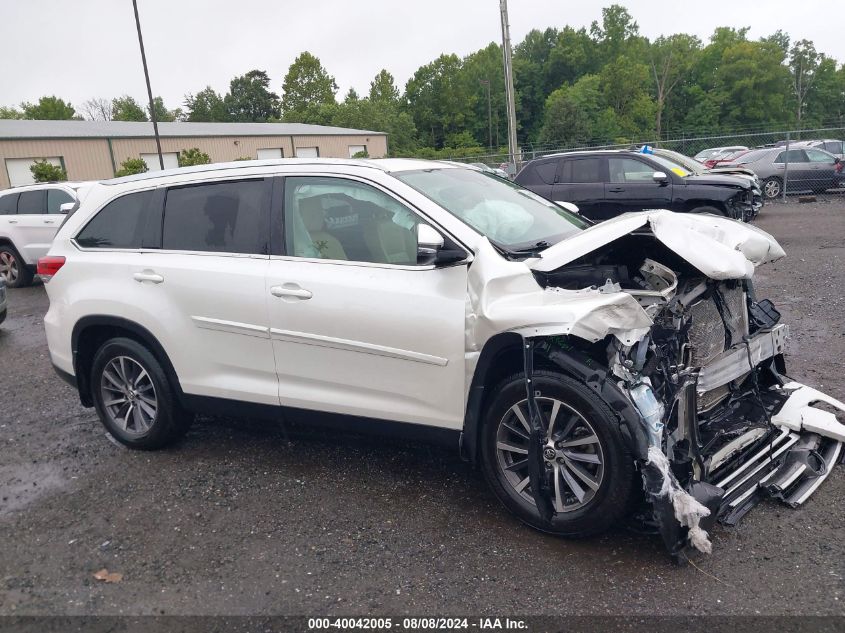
(355, 346)
(233, 327)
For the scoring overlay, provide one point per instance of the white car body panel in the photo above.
(355, 346)
(719, 247)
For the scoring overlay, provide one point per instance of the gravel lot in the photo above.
(242, 519)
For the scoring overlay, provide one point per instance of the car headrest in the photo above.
(311, 212)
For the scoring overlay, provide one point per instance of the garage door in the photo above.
(357, 149)
(269, 152)
(19, 172)
(171, 160)
(307, 152)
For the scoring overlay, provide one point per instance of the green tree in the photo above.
(306, 88)
(48, 108)
(825, 104)
(671, 59)
(132, 166)
(10, 113)
(383, 88)
(439, 100)
(530, 59)
(752, 84)
(616, 33)
(250, 98)
(161, 112)
(803, 65)
(193, 156)
(43, 171)
(205, 106)
(125, 108)
(576, 114)
(479, 68)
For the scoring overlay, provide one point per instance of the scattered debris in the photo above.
(107, 576)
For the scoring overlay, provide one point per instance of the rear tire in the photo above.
(13, 269)
(133, 397)
(599, 454)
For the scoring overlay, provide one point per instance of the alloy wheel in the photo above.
(129, 396)
(9, 268)
(571, 449)
(772, 188)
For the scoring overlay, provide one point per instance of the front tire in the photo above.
(592, 471)
(133, 397)
(772, 188)
(13, 269)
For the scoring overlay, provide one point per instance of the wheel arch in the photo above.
(89, 334)
(502, 356)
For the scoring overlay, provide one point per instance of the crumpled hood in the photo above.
(718, 247)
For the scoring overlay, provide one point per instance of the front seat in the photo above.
(314, 218)
(388, 242)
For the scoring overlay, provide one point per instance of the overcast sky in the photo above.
(89, 48)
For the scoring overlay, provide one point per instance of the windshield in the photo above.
(667, 164)
(508, 215)
(690, 164)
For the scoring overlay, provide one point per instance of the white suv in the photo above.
(29, 219)
(434, 300)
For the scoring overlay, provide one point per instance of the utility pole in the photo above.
(486, 82)
(149, 89)
(506, 53)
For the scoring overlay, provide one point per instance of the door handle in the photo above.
(291, 290)
(49, 221)
(616, 189)
(148, 276)
(13, 221)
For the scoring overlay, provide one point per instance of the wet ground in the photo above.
(242, 519)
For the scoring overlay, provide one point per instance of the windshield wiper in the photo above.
(531, 250)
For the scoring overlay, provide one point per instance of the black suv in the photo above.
(607, 183)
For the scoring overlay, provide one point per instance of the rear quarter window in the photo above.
(119, 224)
(9, 204)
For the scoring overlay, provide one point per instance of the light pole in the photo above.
(149, 89)
(486, 82)
(506, 54)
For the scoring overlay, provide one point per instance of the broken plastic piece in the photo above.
(688, 511)
(797, 413)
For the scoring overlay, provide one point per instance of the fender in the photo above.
(571, 361)
(82, 370)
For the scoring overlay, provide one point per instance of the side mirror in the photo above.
(660, 176)
(430, 247)
(573, 208)
(66, 207)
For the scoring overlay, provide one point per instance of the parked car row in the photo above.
(607, 183)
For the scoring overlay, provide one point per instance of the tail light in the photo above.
(49, 266)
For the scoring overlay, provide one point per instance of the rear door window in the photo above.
(816, 156)
(834, 147)
(32, 203)
(219, 217)
(119, 224)
(584, 170)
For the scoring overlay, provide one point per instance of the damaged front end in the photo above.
(722, 427)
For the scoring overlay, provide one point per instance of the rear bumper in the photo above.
(67, 377)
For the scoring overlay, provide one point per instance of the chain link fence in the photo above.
(795, 162)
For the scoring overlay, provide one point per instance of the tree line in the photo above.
(573, 86)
